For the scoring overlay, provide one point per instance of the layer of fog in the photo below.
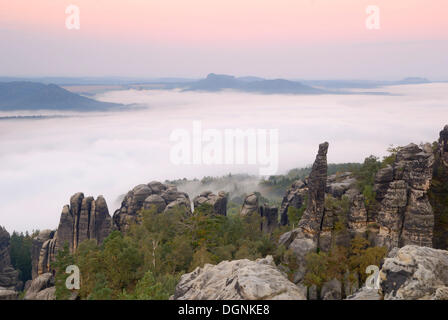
(43, 162)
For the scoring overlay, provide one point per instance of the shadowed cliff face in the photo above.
(438, 194)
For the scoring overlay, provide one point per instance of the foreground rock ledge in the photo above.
(415, 273)
(238, 280)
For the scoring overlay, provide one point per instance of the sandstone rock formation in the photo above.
(85, 218)
(294, 197)
(268, 214)
(414, 272)
(406, 216)
(38, 241)
(250, 205)
(154, 194)
(41, 288)
(305, 238)
(9, 278)
(218, 202)
(311, 220)
(237, 280)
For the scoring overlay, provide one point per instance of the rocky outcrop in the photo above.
(42, 288)
(238, 280)
(268, 214)
(305, 238)
(311, 220)
(84, 219)
(144, 196)
(36, 247)
(414, 272)
(294, 197)
(218, 202)
(9, 278)
(250, 205)
(405, 216)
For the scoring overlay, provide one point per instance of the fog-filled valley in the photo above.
(44, 161)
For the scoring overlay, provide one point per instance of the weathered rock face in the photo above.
(85, 218)
(9, 278)
(294, 197)
(36, 247)
(311, 221)
(365, 294)
(145, 196)
(405, 216)
(414, 272)
(218, 202)
(357, 218)
(250, 205)
(41, 288)
(6, 294)
(238, 280)
(339, 184)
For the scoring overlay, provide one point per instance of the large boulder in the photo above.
(238, 280)
(145, 196)
(414, 272)
(405, 215)
(218, 202)
(42, 288)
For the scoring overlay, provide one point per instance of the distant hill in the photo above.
(24, 95)
(218, 82)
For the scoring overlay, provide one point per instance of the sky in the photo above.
(311, 39)
(44, 162)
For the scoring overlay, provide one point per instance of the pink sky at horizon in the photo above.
(233, 20)
(199, 25)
